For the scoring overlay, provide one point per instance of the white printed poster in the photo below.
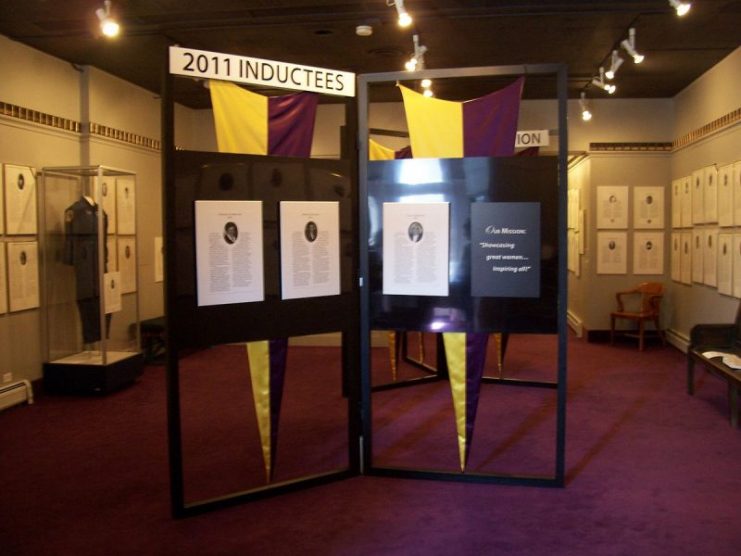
(20, 200)
(686, 259)
(3, 281)
(648, 253)
(676, 261)
(725, 195)
(676, 203)
(23, 275)
(686, 216)
(612, 206)
(126, 204)
(415, 248)
(710, 193)
(612, 249)
(106, 196)
(737, 265)
(229, 252)
(698, 249)
(725, 264)
(309, 249)
(737, 193)
(698, 195)
(127, 263)
(112, 295)
(648, 207)
(710, 258)
(159, 262)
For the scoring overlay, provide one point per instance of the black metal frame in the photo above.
(350, 382)
(558, 478)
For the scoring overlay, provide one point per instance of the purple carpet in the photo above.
(650, 470)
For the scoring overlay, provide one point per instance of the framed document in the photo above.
(582, 231)
(23, 275)
(105, 194)
(229, 252)
(725, 264)
(126, 204)
(112, 296)
(685, 275)
(698, 249)
(676, 203)
(676, 261)
(159, 262)
(612, 207)
(710, 257)
(725, 195)
(710, 193)
(737, 193)
(20, 200)
(3, 281)
(612, 248)
(309, 249)
(648, 207)
(112, 254)
(698, 202)
(737, 265)
(127, 263)
(685, 185)
(648, 253)
(415, 248)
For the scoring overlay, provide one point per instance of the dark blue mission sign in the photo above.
(505, 249)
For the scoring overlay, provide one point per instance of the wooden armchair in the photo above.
(647, 297)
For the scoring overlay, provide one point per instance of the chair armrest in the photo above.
(720, 335)
(619, 298)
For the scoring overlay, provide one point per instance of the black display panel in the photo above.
(517, 200)
(217, 176)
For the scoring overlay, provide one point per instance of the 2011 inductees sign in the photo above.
(505, 249)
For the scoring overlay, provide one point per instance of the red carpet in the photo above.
(650, 470)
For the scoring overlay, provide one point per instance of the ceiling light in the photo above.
(426, 83)
(364, 30)
(405, 20)
(586, 115)
(428, 93)
(417, 61)
(600, 82)
(108, 26)
(629, 45)
(681, 7)
(615, 62)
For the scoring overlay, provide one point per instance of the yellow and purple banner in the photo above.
(250, 123)
(485, 126)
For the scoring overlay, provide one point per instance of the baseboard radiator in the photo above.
(15, 393)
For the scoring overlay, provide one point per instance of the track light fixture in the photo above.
(405, 20)
(600, 82)
(108, 25)
(629, 45)
(427, 87)
(417, 61)
(615, 62)
(681, 7)
(586, 115)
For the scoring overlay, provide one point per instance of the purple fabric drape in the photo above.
(291, 124)
(490, 122)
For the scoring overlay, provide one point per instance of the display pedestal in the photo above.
(73, 375)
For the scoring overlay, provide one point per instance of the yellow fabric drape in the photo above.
(240, 118)
(376, 151)
(435, 125)
(455, 354)
(258, 354)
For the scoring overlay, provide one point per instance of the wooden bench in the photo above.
(717, 337)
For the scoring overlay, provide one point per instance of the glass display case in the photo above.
(89, 279)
